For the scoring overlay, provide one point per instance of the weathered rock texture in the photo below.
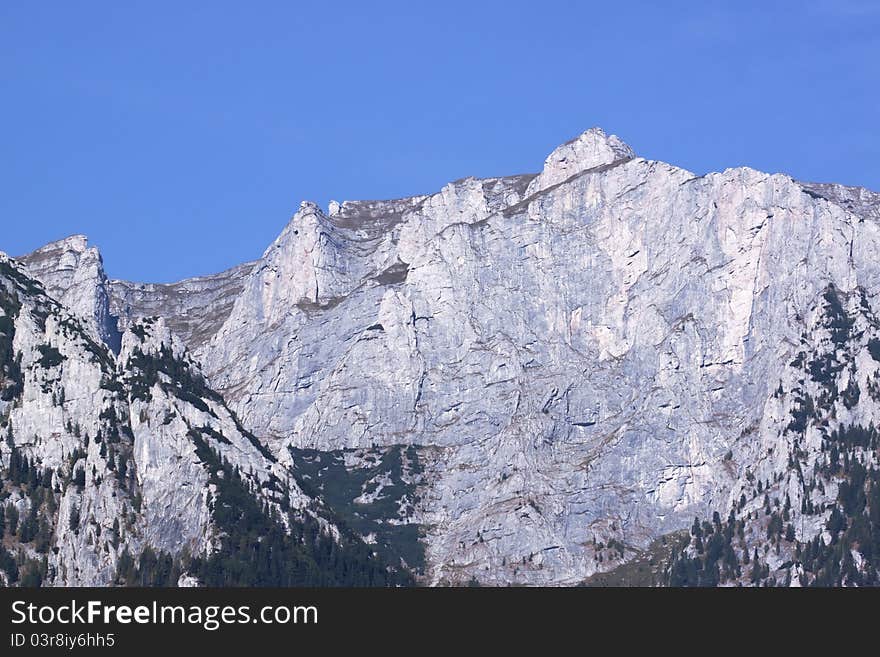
(579, 356)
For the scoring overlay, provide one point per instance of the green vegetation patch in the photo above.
(395, 469)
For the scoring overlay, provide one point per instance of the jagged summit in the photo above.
(588, 150)
(594, 147)
(77, 243)
(73, 273)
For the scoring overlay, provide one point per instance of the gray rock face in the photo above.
(195, 308)
(791, 473)
(74, 274)
(590, 150)
(573, 353)
(583, 352)
(51, 417)
(112, 437)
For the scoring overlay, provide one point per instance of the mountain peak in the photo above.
(77, 243)
(595, 145)
(73, 273)
(588, 150)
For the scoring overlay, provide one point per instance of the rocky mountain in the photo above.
(534, 379)
(129, 469)
(74, 275)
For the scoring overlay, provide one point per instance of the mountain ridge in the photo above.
(837, 193)
(568, 356)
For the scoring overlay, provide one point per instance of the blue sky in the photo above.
(180, 137)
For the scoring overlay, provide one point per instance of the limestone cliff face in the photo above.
(60, 409)
(193, 308)
(111, 442)
(74, 274)
(581, 355)
(579, 349)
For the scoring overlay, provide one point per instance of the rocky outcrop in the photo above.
(194, 308)
(74, 274)
(107, 458)
(805, 505)
(67, 420)
(591, 150)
